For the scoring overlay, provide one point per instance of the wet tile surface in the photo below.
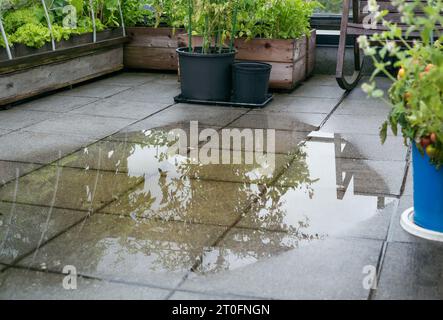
(120, 248)
(149, 209)
(38, 147)
(23, 228)
(422, 263)
(25, 284)
(13, 119)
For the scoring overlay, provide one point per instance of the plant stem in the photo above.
(190, 26)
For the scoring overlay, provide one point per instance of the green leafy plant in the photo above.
(32, 35)
(417, 92)
(275, 19)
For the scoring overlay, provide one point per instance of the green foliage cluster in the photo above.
(416, 94)
(25, 22)
(277, 19)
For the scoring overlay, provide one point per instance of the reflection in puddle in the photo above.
(162, 212)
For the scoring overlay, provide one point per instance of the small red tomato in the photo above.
(433, 137)
(425, 141)
(429, 67)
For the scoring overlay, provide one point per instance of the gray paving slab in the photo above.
(94, 90)
(369, 107)
(14, 119)
(121, 109)
(11, 170)
(285, 103)
(55, 103)
(311, 90)
(81, 125)
(19, 284)
(411, 271)
(150, 252)
(38, 147)
(355, 124)
(328, 269)
(156, 91)
(280, 121)
(23, 228)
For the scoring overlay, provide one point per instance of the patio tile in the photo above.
(205, 115)
(409, 185)
(148, 132)
(370, 107)
(360, 124)
(127, 79)
(119, 248)
(411, 271)
(328, 269)
(365, 146)
(396, 232)
(279, 121)
(73, 188)
(311, 90)
(358, 94)
(13, 119)
(10, 170)
(23, 228)
(289, 104)
(94, 90)
(168, 198)
(81, 125)
(18, 284)
(4, 131)
(154, 91)
(38, 147)
(123, 109)
(318, 210)
(317, 160)
(323, 80)
(187, 295)
(55, 103)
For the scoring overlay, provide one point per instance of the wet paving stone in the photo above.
(23, 228)
(317, 270)
(411, 271)
(359, 124)
(288, 104)
(18, 284)
(111, 247)
(94, 90)
(318, 160)
(168, 198)
(120, 109)
(12, 170)
(55, 103)
(80, 125)
(156, 91)
(68, 188)
(13, 119)
(39, 148)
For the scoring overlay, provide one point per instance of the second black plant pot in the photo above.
(251, 82)
(206, 76)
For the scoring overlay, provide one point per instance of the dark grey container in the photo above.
(251, 81)
(206, 76)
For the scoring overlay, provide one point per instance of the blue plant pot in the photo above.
(428, 192)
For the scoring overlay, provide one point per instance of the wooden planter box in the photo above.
(31, 75)
(292, 60)
(152, 48)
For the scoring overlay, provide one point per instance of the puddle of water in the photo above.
(306, 197)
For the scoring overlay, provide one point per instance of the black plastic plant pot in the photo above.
(206, 76)
(251, 81)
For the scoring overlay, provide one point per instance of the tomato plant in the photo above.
(416, 93)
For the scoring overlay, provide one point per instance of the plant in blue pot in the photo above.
(416, 96)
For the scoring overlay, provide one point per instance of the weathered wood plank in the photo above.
(20, 85)
(150, 58)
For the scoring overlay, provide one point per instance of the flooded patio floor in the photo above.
(90, 180)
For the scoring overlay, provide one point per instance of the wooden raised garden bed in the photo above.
(152, 48)
(292, 60)
(74, 61)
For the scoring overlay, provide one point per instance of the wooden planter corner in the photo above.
(292, 60)
(32, 75)
(152, 48)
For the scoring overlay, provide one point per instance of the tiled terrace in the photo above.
(86, 181)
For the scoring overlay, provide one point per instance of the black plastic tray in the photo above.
(181, 99)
